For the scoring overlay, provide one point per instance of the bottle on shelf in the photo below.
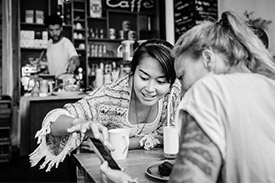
(67, 15)
(92, 53)
(100, 50)
(104, 50)
(96, 33)
(92, 33)
(107, 73)
(36, 87)
(96, 50)
(99, 75)
(101, 33)
(60, 12)
(88, 50)
(115, 72)
(93, 70)
(80, 77)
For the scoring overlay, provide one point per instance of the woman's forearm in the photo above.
(61, 124)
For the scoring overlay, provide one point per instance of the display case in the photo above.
(136, 20)
(88, 24)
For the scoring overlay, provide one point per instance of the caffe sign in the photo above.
(133, 5)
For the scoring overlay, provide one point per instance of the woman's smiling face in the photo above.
(150, 83)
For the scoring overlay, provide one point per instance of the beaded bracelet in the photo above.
(148, 142)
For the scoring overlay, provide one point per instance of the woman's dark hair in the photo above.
(159, 50)
(53, 20)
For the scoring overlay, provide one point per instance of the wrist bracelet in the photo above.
(148, 142)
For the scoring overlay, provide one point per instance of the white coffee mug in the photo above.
(119, 138)
(126, 50)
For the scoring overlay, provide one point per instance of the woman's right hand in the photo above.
(91, 129)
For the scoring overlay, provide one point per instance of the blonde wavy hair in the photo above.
(233, 39)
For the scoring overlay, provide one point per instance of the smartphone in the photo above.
(104, 153)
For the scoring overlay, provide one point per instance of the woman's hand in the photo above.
(91, 129)
(114, 176)
(71, 68)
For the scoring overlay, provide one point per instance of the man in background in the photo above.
(61, 54)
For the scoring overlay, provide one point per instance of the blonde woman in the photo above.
(227, 113)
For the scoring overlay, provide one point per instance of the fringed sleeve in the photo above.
(54, 149)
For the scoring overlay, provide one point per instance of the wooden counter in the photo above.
(135, 164)
(32, 113)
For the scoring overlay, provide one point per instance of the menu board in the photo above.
(188, 13)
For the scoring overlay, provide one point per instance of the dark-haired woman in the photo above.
(137, 100)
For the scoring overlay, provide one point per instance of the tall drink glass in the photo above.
(170, 133)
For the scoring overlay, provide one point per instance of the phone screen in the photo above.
(104, 154)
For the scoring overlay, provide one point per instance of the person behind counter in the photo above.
(61, 54)
(137, 100)
(227, 113)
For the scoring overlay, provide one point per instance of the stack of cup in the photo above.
(126, 32)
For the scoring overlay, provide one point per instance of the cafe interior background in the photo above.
(23, 41)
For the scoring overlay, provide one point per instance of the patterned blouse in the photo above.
(107, 105)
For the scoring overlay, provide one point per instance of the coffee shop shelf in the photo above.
(32, 113)
(80, 49)
(79, 40)
(32, 49)
(79, 30)
(106, 40)
(105, 58)
(97, 18)
(32, 24)
(79, 11)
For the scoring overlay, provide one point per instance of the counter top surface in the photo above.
(54, 97)
(135, 164)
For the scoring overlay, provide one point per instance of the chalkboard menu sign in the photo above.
(188, 13)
